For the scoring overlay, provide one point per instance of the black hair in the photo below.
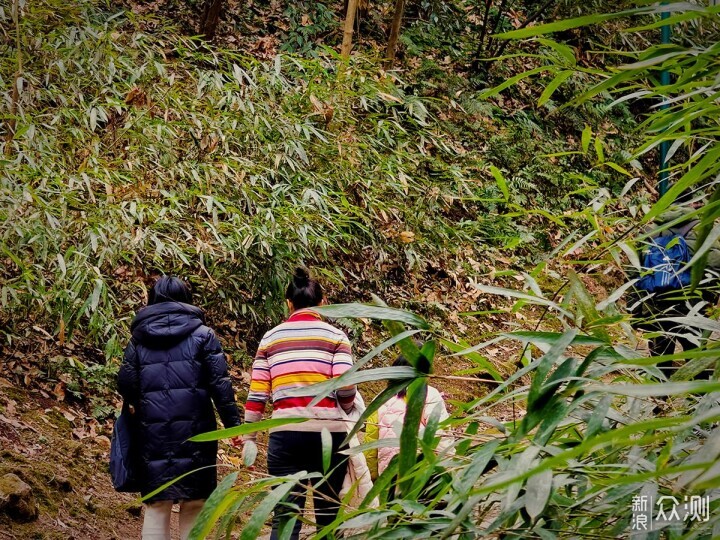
(400, 361)
(303, 291)
(170, 289)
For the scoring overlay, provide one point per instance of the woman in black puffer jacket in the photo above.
(173, 371)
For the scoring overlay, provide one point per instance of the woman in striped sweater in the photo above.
(302, 351)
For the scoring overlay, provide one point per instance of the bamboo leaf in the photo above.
(537, 493)
(551, 338)
(586, 138)
(709, 215)
(476, 358)
(522, 296)
(250, 451)
(244, 429)
(382, 398)
(707, 245)
(599, 150)
(696, 173)
(260, 514)
(491, 92)
(220, 499)
(654, 60)
(365, 311)
(598, 416)
(692, 368)
(564, 51)
(416, 396)
(500, 180)
(615, 296)
(326, 449)
(567, 24)
(553, 86)
(546, 362)
(171, 482)
(657, 390)
(618, 168)
(319, 390)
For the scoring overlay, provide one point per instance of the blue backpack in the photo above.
(664, 259)
(123, 454)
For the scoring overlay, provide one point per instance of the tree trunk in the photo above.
(364, 8)
(394, 33)
(348, 28)
(15, 96)
(210, 18)
(492, 48)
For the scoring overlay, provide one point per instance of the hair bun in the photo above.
(301, 277)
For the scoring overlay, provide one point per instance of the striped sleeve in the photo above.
(341, 362)
(342, 357)
(260, 386)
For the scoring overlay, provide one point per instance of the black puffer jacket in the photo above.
(174, 369)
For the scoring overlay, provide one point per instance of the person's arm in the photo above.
(342, 361)
(129, 375)
(710, 290)
(372, 432)
(713, 260)
(221, 389)
(434, 401)
(260, 388)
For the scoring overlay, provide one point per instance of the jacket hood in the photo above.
(673, 213)
(162, 325)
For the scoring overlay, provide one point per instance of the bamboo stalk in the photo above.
(15, 98)
(363, 9)
(348, 28)
(210, 18)
(394, 33)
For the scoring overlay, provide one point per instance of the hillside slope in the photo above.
(62, 454)
(138, 150)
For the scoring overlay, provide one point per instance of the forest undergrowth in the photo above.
(137, 151)
(476, 199)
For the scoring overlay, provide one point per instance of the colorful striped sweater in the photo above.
(302, 351)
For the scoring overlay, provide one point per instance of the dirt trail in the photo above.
(62, 454)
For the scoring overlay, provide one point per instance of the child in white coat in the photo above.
(387, 424)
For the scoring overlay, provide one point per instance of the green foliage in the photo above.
(309, 23)
(686, 121)
(587, 443)
(154, 154)
(86, 381)
(588, 436)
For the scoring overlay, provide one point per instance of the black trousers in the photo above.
(290, 452)
(665, 344)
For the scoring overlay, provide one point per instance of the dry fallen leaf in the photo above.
(102, 439)
(59, 391)
(11, 421)
(136, 97)
(407, 237)
(388, 97)
(10, 407)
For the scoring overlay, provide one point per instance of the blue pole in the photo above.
(664, 81)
